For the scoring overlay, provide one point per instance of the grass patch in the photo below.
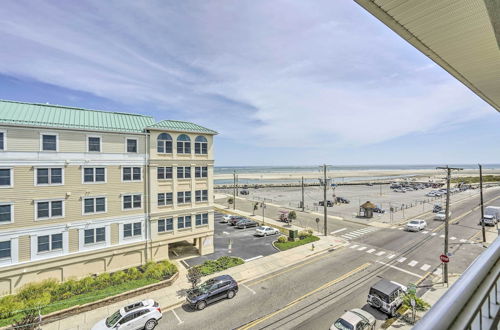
(288, 245)
(475, 179)
(220, 264)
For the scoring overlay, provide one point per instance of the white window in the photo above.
(94, 205)
(201, 172)
(49, 176)
(132, 229)
(49, 209)
(3, 141)
(93, 143)
(164, 173)
(6, 213)
(201, 145)
(6, 178)
(165, 199)
(201, 195)
(94, 174)
(132, 201)
(132, 174)
(165, 225)
(183, 172)
(94, 235)
(49, 142)
(183, 197)
(202, 219)
(47, 243)
(5, 250)
(184, 222)
(131, 145)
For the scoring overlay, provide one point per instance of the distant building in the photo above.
(84, 191)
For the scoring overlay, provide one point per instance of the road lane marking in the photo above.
(370, 251)
(412, 263)
(381, 253)
(391, 256)
(296, 301)
(401, 259)
(250, 259)
(225, 233)
(252, 291)
(362, 248)
(353, 246)
(397, 268)
(338, 231)
(425, 267)
(177, 317)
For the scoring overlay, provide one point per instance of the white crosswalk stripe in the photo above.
(412, 263)
(441, 236)
(391, 256)
(362, 248)
(463, 240)
(359, 233)
(438, 271)
(370, 251)
(400, 228)
(401, 259)
(453, 238)
(425, 232)
(433, 234)
(380, 253)
(353, 246)
(425, 267)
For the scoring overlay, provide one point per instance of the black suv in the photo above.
(214, 289)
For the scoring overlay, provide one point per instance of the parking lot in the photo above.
(231, 241)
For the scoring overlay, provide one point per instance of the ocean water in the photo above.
(299, 169)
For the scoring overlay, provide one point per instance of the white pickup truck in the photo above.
(493, 211)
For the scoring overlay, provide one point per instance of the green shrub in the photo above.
(304, 234)
(86, 284)
(37, 289)
(169, 268)
(282, 239)
(102, 281)
(8, 305)
(223, 263)
(153, 270)
(420, 304)
(119, 277)
(134, 273)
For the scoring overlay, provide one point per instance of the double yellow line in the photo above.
(296, 301)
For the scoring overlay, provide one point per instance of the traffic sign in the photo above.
(444, 258)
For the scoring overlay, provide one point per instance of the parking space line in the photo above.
(177, 317)
(252, 291)
(397, 268)
(338, 231)
(250, 259)
(370, 251)
(412, 263)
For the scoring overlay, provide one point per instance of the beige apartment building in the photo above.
(84, 191)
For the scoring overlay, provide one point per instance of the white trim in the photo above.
(4, 139)
(36, 158)
(49, 254)
(87, 143)
(11, 173)
(35, 176)
(132, 208)
(50, 217)
(94, 175)
(14, 252)
(11, 213)
(131, 173)
(95, 246)
(94, 197)
(42, 133)
(126, 145)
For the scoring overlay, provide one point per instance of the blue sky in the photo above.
(284, 82)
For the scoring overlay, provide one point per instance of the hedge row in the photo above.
(40, 295)
(222, 263)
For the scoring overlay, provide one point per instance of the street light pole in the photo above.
(324, 198)
(482, 204)
(234, 190)
(447, 217)
(302, 194)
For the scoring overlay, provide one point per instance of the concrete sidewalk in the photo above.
(174, 296)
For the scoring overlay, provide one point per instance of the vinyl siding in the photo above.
(24, 248)
(73, 240)
(115, 234)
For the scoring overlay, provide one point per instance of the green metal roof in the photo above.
(46, 115)
(181, 126)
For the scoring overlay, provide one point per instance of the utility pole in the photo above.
(447, 216)
(234, 190)
(482, 204)
(324, 198)
(302, 194)
(237, 185)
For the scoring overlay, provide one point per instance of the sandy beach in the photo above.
(433, 174)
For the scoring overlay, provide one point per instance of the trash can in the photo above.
(293, 235)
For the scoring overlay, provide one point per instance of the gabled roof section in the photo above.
(181, 126)
(56, 116)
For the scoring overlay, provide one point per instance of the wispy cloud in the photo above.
(270, 73)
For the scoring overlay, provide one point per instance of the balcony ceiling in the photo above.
(459, 35)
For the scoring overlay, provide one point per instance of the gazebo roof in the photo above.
(368, 205)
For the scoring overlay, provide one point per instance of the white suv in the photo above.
(140, 315)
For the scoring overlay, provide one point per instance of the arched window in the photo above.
(183, 144)
(201, 145)
(164, 143)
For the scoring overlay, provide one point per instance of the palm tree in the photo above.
(255, 207)
(230, 201)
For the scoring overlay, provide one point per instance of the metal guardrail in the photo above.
(472, 302)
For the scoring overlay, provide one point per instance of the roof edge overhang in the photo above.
(404, 33)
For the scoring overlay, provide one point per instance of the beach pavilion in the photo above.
(366, 210)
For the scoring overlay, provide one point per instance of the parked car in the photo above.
(378, 209)
(386, 296)
(227, 217)
(355, 319)
(431, 194)
(235, 219)
(437, 208)
(328, 203)
(441, 215)
(416, 225)
(140, 315)
(214, 289)
(266, 231)
(488, 220)
(246, 223)
(342, 200)
(244, 192)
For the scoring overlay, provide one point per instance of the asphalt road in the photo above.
(313, 293)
